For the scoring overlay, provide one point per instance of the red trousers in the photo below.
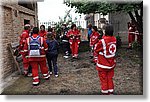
(140, 39)
(25, 62)
(35, 68)
(131, 39)
(106, 80)
(74, 48)
(94, 54)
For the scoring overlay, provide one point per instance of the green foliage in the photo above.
(119, 42)
(103, 7)
(136, 46)
(68, 20)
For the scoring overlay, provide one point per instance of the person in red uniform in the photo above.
(23, 36)
(106, 49)
(42, 32)
(94, 38)
(131, 33)
(74, 40)
(139, 36)
(35, 48)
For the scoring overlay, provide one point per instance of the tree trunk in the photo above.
(137, 21)
(139, 24)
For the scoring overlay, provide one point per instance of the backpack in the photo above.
(34, 46)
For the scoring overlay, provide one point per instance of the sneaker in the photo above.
(29, 74)
(66, 57)
(56, 75)
(75, 57)
(50, 73)
(47, 77)
(36, 82)
(91, 57)
(25, 73)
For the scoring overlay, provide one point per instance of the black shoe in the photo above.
(91, 57)
(129, 48)
(25, 73)
(47, 77)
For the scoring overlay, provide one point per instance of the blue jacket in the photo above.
(52, 47)
(89, 32)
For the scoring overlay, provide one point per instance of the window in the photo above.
(26, 21)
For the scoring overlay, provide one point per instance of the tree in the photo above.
(66, 20)
(105, 7)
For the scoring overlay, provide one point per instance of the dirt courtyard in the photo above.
(79, 77)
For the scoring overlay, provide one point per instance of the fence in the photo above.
(81, 23)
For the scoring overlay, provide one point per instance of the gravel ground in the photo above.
(79, 77)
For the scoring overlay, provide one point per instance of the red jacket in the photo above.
(23, 37)
(44, 48)
(94, 38)
(43, 33)
(131, 30)
(74, 36)
(106, 49)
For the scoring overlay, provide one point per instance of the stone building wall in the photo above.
(119, 21)
(12, 23)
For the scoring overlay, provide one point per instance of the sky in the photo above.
(50, 10)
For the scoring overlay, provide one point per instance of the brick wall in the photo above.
(12, 26)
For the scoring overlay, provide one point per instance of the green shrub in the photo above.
(136, 45)
(119, 42)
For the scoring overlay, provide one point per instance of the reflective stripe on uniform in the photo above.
(106, 67)
(104, 48)
(136, 33)
(28, 41)
(111, 90)
(22, 51)
(41, 41)
(46, 49)
(35, 83)
(25, 50)
(35, 77)
(47, 76)
(104, 91)
(75, 55)
(65, 40)
(36, 56)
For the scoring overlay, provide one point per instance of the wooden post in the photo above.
(14, 58)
